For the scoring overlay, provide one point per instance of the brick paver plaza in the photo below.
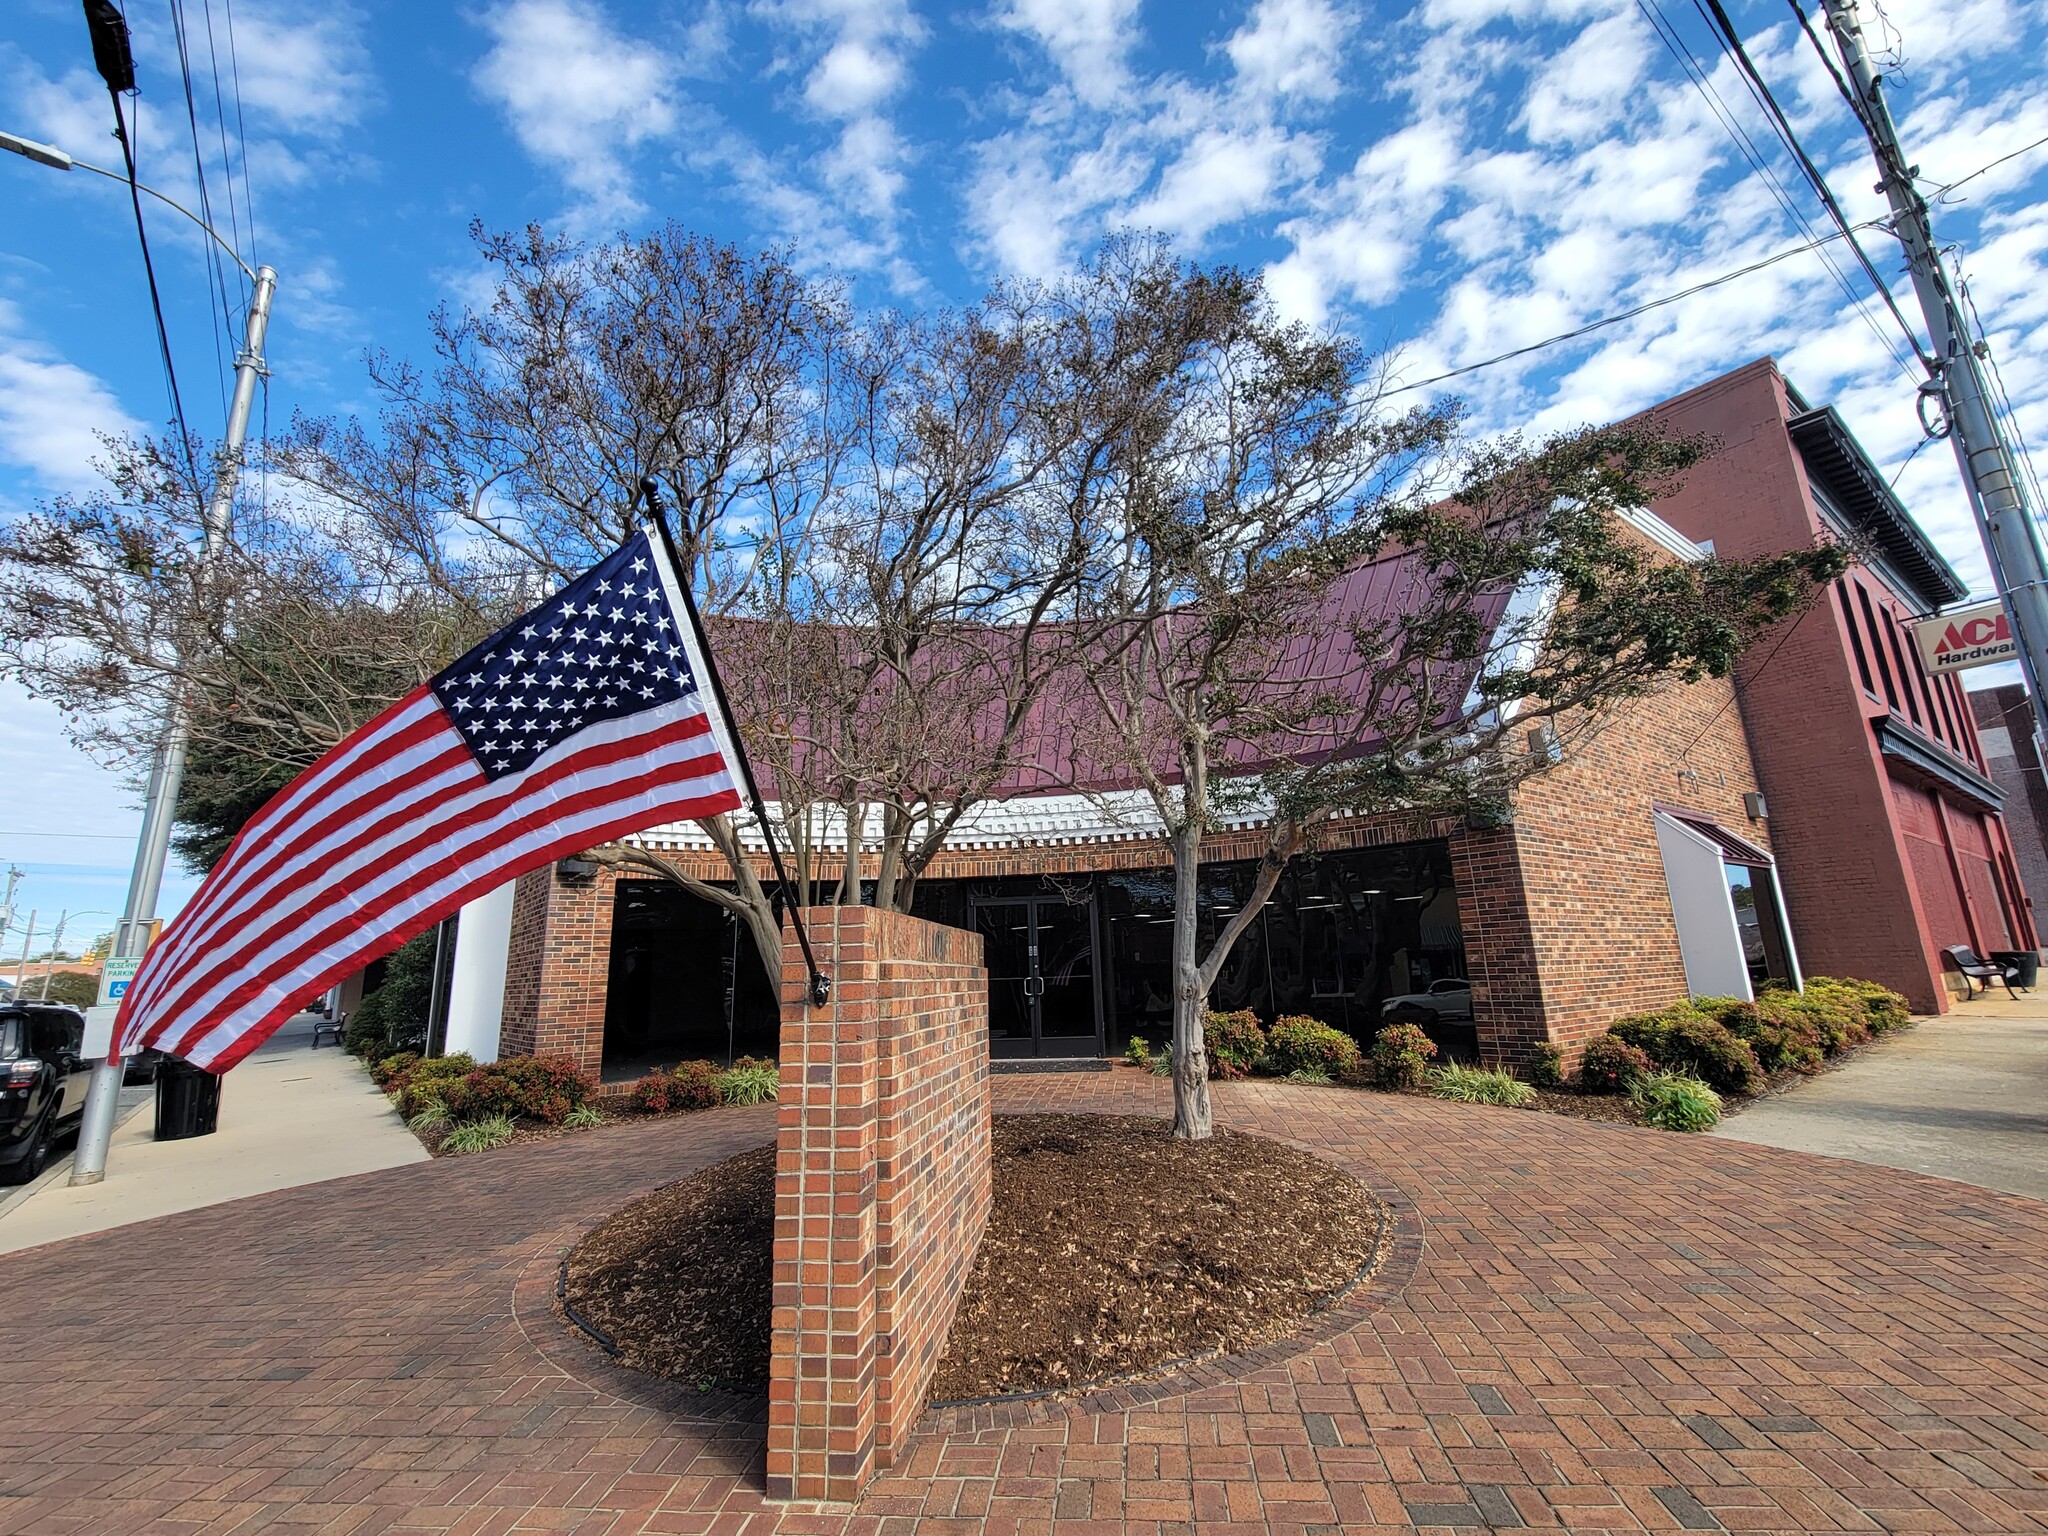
(1582, 1326)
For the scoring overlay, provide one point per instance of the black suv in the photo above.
(42, 1084)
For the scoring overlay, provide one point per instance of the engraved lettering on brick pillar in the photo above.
(881, 1190)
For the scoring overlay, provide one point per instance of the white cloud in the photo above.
(1291, 48)
(310, 74)
(1086, 39)
(52, 411)
(579, 96)
(1578, 92)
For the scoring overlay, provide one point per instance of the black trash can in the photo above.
(2026, 961)
(187, 1100)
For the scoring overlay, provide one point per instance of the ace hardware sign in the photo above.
(1966, 637)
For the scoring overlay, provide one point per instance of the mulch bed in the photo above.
(1112, 1249)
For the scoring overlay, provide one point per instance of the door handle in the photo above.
(1034, 986)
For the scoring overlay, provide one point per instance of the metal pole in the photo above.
(2011, 541)
(21, 971)
(160, 805)
(56, 943)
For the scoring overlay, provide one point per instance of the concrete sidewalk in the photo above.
(289, 1115)
(1964, 1096)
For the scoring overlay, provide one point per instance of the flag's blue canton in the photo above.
(604, 647)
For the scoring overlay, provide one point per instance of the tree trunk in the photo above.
(1191, 1117)
(855, 815)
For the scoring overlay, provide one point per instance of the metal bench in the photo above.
(331, 1027)
(1983, 972)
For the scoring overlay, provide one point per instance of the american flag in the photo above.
(576, 723)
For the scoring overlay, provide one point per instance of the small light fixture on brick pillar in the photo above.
(1753, 803)
(1544, 747)
(576, 871)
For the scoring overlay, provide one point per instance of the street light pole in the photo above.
(160, 804)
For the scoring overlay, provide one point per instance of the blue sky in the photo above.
(1452, 178)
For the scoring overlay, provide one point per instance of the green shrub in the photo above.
(479, 1135)
(1297, 1043)
(696, 1085)
(1234, 1041)
(1138, 1051)
(394, 1017)
(1883, 1009)
(1162, 1064)
(424, 1082)
(544, 1088)
(383, 1073)
(1547, 1070)
(750, 1082)
(1475, 1085)
(1781, 1041)
(1401, 1053)
(1644, 1031)
(1611, 1064)
(1674, 1102)
(584, 1116)
(1694, 1045)
(654, 1094)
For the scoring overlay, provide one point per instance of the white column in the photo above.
(476, 993)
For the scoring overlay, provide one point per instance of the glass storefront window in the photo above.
(1756, 922)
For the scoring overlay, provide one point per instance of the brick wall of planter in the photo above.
(882, 1189)
(557, 966)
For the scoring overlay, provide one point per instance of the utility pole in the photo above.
(21, 971)
(56, 943)
(2010, 539)
(7, 903)
(160, 803)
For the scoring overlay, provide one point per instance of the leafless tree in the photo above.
(1261, 476)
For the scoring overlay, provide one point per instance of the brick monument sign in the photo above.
(881, 1189)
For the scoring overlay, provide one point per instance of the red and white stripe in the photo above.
(391, 831)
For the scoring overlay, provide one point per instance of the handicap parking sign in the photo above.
(115, 975)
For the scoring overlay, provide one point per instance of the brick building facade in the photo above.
(1881, 803)
(2012, 753)
(1829, 809)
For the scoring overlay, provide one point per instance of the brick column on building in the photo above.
(557, 966)
(1500, 948)
(882, 1189)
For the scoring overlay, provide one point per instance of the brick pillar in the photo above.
(557, 967)
(881, 1191)
(1500, 946)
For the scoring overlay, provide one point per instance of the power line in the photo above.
(1644, 308)
(1701, 82)
(216, 278)
(1760, 89)
(1942, 192)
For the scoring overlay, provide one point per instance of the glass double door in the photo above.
(1040, 953)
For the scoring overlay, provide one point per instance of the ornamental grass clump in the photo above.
(478, 1135)
(1401, 1054)
(1672, 1101)
(750, 1081)
(1476, 1085)
(1297, 1043)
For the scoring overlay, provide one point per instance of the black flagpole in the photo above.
(650, 488)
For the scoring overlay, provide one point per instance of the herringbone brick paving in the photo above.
(1606, 1329)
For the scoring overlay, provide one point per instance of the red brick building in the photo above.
(2012, 751)
(1881, 804)
(1829, 810)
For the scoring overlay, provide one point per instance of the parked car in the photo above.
(1448, 998)
(42, 1084)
